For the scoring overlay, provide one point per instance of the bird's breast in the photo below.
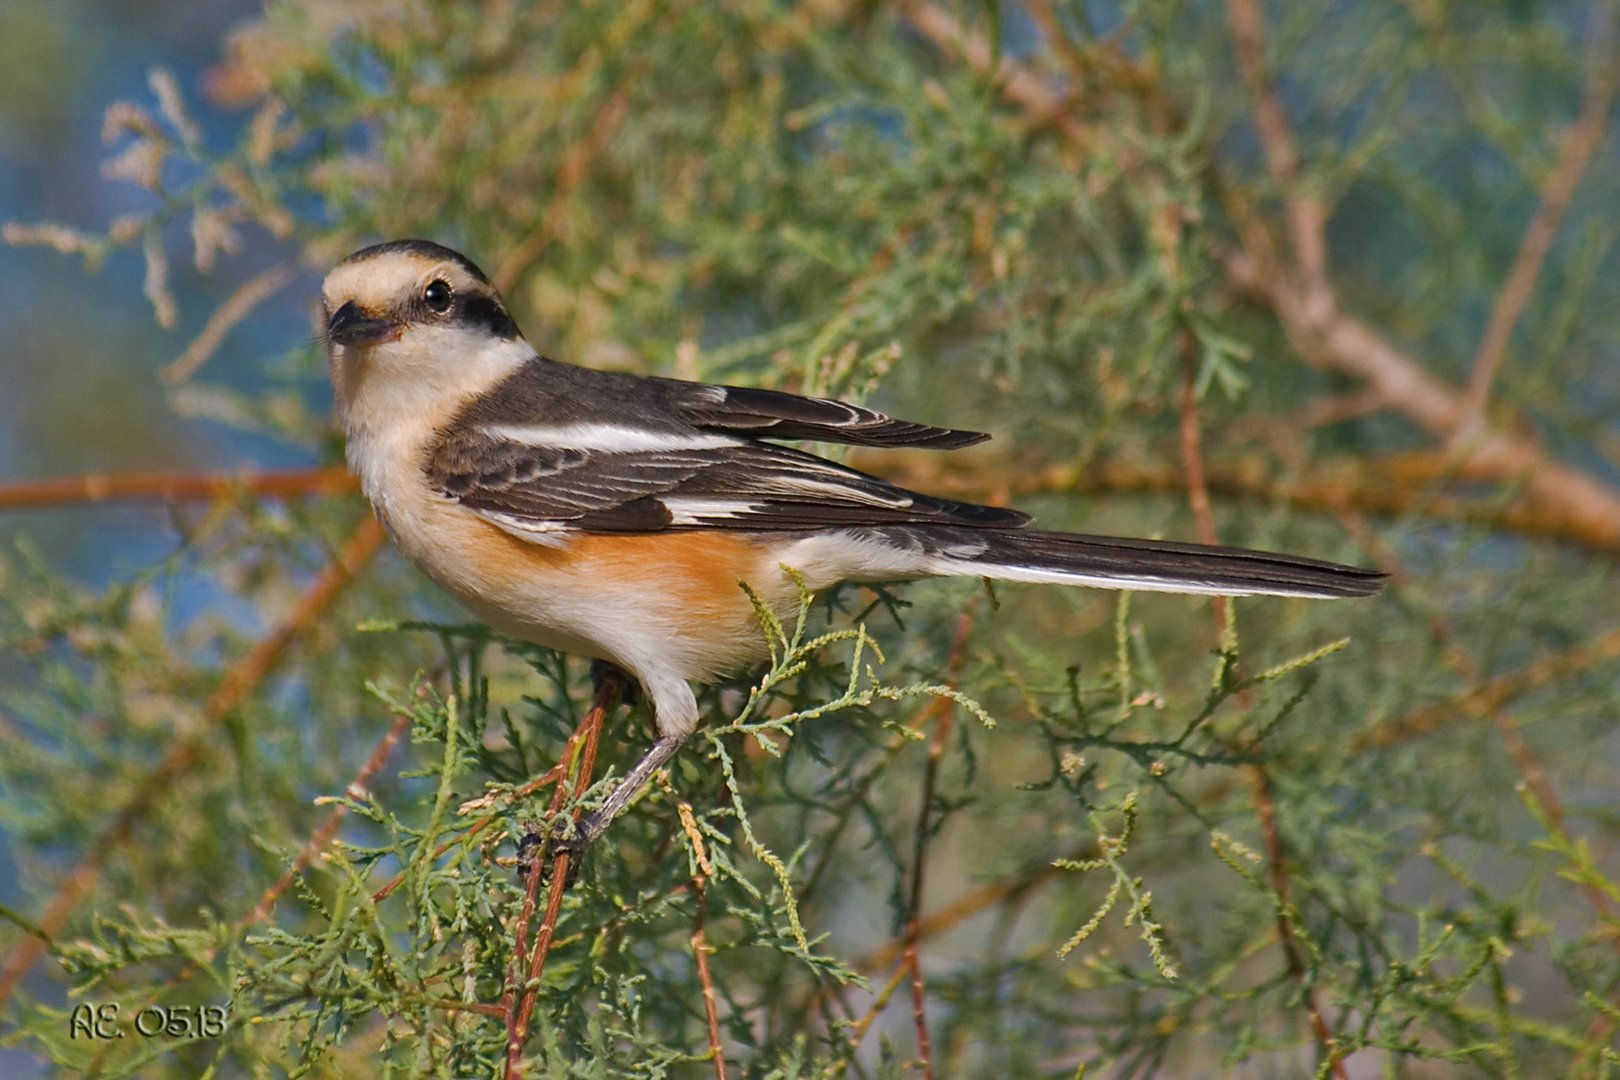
(671, 601)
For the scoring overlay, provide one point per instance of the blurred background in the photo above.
(1334, 279)
(77, 343)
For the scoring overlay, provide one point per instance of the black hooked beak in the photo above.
(351, 326)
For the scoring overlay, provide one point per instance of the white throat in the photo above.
(393, 397)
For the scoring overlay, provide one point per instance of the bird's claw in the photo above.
(564, 837)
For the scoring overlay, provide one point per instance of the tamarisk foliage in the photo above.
(1337, 280)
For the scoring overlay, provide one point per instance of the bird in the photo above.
(615, 516)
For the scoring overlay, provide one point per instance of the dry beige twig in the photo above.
(1581, 141)
(253, 292)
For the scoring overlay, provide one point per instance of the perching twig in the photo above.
(700, 941)
(518, 1001)
(1307, 217)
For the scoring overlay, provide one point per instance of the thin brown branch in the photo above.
(172, 487)
(969, 904)
(1277, 869)
(1394, 488)
(1537, 784)
(576, 163)
(234, 688)
(1053, 34)
(1387, 488)
(1338, 408)
(1192, 463)
(1582, 140)
(242, 679)
(517, 1021)
(701, 950)
(862, 1024)
(938, 710)
(520, 939)
(700, 942)
(924, 717)
(518, 1000)
(919, 996)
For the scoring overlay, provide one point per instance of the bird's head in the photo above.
(411, 323)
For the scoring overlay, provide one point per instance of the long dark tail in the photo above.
(1119, 563)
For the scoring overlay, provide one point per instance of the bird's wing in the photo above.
(537, 480)
(774, 414)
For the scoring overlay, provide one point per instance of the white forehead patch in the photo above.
(385, 282)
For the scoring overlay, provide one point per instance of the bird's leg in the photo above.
(608, 685)
(573, 837)
(594, 824)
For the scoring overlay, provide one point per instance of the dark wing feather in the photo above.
(563, 393)
(774, 414)
(755, 486)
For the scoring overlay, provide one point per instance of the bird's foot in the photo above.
(564, 837)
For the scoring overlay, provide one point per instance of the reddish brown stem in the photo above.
(936, 751)
(1276, 865)
(171, 487)
(1192, 462)
(700, 950)
(519, 998)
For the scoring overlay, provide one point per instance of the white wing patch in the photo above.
(696, 511)
(607, 438)
(796, 483)
(530, 530)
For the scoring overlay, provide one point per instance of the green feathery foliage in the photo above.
(947, 830)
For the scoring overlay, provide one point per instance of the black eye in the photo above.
(438, 296)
